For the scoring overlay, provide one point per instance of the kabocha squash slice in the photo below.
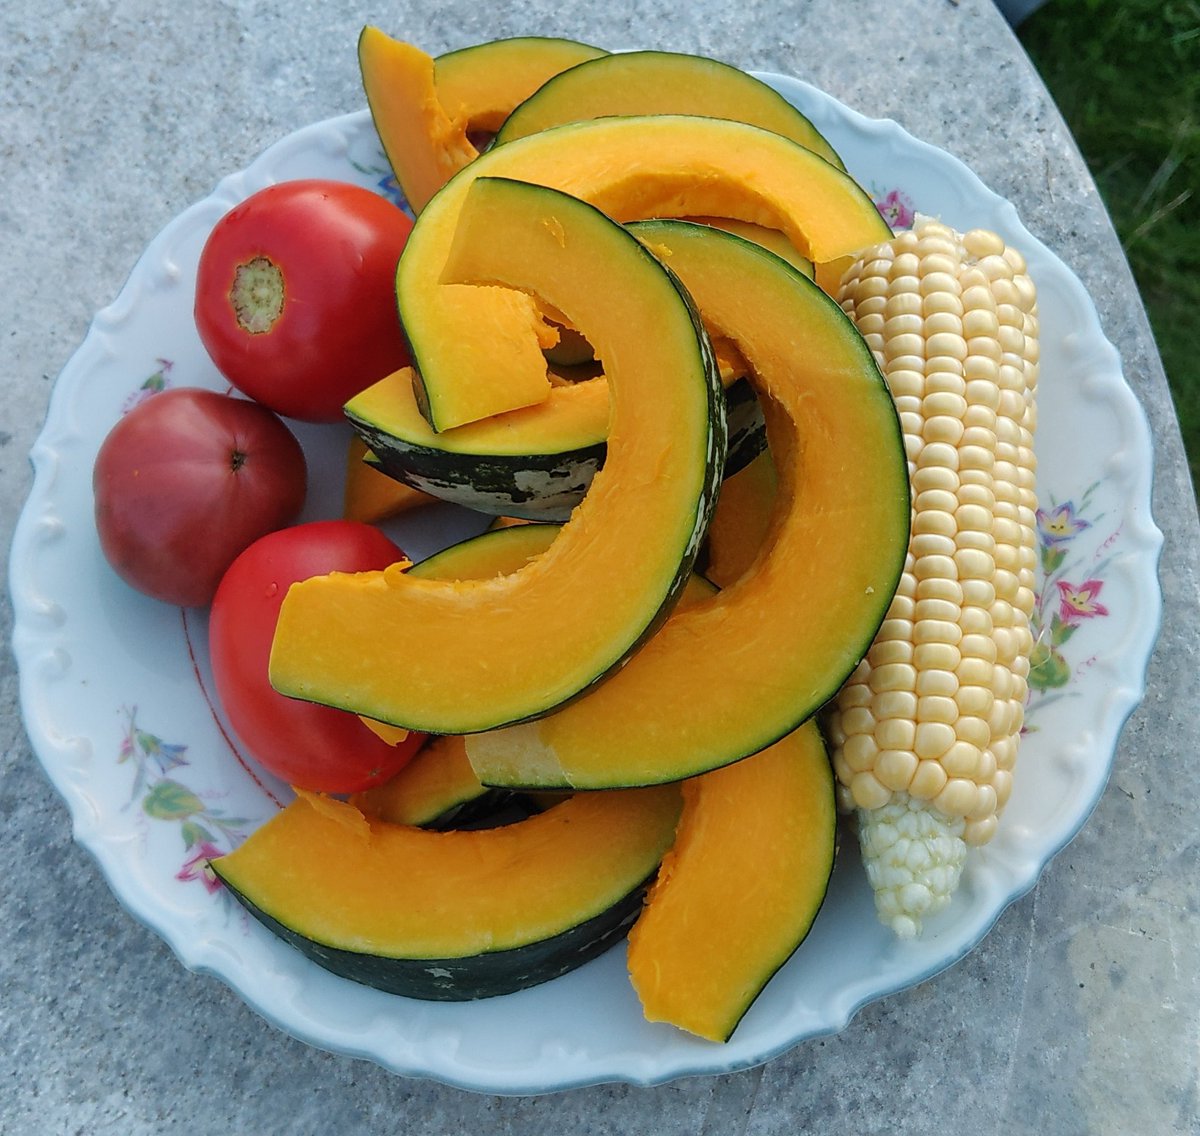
(536, 462)
(484, 83)
(629, 168)
(771, 239)
(425, 148)
(495, 552)
(740, 888)
(426, 111)
(372, 496)
(439, 652)
(661, 82)
(423, 144)
(729, 677)
(431, 790)
(452, 916)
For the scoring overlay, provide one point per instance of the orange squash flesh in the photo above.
(573, 415)
(489, 554)
(729, 677)
(440, 779)
(436, 781)
(740, 887)
(740, 521)
(424, 145)
(393, 891)
(481, 85)
(632, 168)
(494, 351)
(404, 650)
(770, 239)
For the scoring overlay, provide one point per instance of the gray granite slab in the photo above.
(1079, 1013)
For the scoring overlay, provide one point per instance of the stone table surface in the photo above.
(1080, 1011)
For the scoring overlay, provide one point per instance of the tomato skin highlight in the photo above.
(184, 482)
(319, 748)
(295, 295)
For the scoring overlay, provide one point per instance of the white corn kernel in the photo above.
(935, 708)
(961, 760)
(937, 683)
(928, 781)
(895, 704)
(895, 768)
(938, 609)
(933, 739)
(885, 651)
(896, 733)
(868, 792)
(936, 656)
(957, 798)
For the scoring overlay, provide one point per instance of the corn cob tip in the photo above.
(914, 858)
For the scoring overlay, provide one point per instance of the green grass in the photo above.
(1126, 76)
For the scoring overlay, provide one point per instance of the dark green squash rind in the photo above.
(707, 71)
(534, 486)
(745, 426)
(474, 976)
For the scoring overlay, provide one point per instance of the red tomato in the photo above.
(295, 295)
(184, 482)
(313, 747)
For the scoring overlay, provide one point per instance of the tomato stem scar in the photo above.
(257, 295)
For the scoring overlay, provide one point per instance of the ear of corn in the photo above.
(925, 733)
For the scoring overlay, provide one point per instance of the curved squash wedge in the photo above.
(430, 790)
(536, 462)
(729, 677)
(495, 552)
(483, 84)
(661, 82)
(629, 168)
(579, 610)
(770, 239)
(451, 916)
(740, 888)
(424, 145)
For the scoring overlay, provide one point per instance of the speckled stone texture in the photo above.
(1078, 1014)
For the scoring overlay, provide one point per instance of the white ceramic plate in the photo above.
(114, 686)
